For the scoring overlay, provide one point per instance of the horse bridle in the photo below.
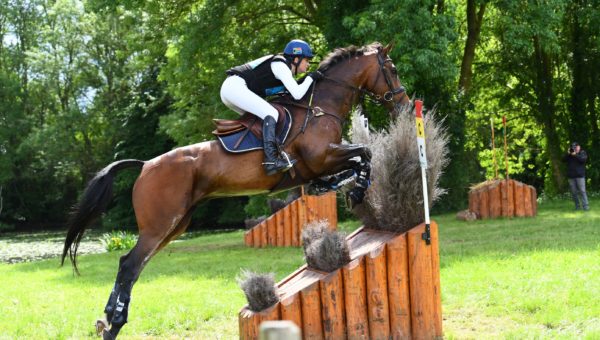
(388, 96)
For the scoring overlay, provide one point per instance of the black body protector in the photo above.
(259, 77)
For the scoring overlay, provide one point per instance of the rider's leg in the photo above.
(236, 95)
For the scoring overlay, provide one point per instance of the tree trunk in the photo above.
(474, 21)
(546, 111)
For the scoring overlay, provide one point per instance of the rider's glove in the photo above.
(316, 75)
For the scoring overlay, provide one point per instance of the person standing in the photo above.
(575, 159)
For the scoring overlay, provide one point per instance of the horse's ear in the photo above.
(388, 48)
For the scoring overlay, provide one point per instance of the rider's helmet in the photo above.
(298, 48)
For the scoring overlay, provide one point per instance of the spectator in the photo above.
(575, 159)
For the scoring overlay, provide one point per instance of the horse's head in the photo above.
(381, 78)
(366, 70)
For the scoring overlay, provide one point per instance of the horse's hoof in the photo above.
(101, 326)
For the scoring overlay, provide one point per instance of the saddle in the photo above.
(225, 127)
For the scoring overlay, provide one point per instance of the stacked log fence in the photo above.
(389, 290)
(503, 198)
(284, 228)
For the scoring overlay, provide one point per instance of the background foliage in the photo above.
(83, 83)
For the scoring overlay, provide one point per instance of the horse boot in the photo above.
(274, 162)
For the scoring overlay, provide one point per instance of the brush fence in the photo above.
(284, 228)
(503, 198)
(390, 290)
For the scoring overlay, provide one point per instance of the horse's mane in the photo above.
(340, 54)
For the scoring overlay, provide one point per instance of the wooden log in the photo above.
(506, 190)
(271, 313)
(533, 201)
(264, 233)
(484, 210)
(398, 287)
(271, 231)
(302, 219)
(248, 238)
(256, 234)
(527, 201)
(295, 227)
(312, 327)
(435, 270)
(332, 304)
(519, 199)
(248, 323)
(474, 201)
(291, 309)
(279, 223)
(355, 299)
(495, 200)
(422, 291)
(377, 296)
(287, 227)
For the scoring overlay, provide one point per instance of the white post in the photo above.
(423, 160)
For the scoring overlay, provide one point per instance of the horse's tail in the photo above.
(95, 200)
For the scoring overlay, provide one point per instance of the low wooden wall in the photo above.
(284, 228)
(503, 198)
(390, 290)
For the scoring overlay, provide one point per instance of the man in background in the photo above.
(575, 159)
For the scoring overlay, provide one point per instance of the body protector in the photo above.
(259, 77)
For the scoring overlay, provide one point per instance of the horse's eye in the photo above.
(394, 71)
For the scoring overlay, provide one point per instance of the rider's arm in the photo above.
(283, 73)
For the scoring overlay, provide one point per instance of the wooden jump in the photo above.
(284, 228)
(389, 290)
(503, 198)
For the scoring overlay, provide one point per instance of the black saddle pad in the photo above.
(244, 140)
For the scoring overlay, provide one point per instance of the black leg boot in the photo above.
(273, 163)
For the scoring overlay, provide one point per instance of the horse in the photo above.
(171, 185)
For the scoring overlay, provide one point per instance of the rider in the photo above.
(247, 85)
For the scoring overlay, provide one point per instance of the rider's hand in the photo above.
(316, 75)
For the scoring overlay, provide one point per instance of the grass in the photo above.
(509, 279)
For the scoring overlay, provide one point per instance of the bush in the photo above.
(118, 240)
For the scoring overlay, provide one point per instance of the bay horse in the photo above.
(171, 185)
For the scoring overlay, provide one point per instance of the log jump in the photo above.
(503, 198)
(390, 289)
(283, 229)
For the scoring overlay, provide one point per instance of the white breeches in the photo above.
(236, 95)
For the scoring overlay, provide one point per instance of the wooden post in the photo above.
(248, 238)
(422, 291)
(527, 201)
(312, 327)
(291, 309)
(332, 304)
(295, 226)
(271, 231)
(256, 234)
(495, 200)
(533, 201)
(474, 201)
(280, 230)
(287, 227)
(519, 200)
(355, 299)
(484, 206)
(377, 296)
(435, 271)
(398, 287)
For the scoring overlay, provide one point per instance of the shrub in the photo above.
(118, 240)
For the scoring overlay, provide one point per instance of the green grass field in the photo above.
(532, 278)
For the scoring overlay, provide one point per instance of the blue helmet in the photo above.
(298, 47)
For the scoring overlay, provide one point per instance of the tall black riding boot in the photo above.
(274, 162)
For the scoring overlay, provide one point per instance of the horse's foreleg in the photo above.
(342, 157)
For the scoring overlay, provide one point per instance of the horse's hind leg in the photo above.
(130, 268)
